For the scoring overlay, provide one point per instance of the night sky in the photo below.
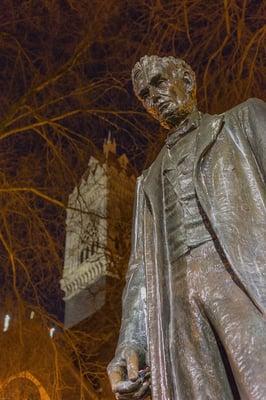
(65, 82)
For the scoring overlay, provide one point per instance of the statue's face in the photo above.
(167, 93)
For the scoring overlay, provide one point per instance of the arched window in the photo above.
(23, 386)
(84, 254)
(89, 240)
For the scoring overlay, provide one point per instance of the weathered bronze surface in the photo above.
(195, 300)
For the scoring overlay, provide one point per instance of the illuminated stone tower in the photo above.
(99, 209)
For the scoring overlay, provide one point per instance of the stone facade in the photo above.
(99, 211)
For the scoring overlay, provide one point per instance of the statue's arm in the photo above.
(131, 353)
(256, 131)
(134, 311)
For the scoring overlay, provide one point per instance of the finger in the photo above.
(144, 390)
(116, 374)
(125, 396)
(132, 361)
(127, 386)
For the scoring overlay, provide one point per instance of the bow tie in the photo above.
(191, 123)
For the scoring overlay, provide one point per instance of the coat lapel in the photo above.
(209, 130)
(152, 181)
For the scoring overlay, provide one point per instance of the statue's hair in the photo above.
(147, 63)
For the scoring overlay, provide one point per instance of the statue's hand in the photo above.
(126, 379)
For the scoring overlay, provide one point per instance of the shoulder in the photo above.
(252, 105)
(248, 120)
(156, 163)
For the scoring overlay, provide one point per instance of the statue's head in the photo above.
(166, 86)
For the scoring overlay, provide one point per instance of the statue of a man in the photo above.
(195, 300)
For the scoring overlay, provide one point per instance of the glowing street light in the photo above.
(6, 322)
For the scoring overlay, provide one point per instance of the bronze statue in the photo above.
(195, 300)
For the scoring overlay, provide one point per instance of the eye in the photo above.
(187, 79)
(157, 81)
(160, 81)
(144, 93)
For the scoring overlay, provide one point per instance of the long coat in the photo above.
(229, 180)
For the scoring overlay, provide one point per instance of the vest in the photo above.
(185, 222)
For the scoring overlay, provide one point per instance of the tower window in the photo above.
(89, 240)
(84, 254)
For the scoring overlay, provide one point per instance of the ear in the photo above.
(188, 80)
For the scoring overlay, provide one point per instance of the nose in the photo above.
(154, 95)
(178, 92)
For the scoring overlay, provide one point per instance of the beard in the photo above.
(171, 114)
(169, 111)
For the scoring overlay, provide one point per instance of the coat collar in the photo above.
(191, 122)
(209, 129)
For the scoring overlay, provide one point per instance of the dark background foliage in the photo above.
(65, 82)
